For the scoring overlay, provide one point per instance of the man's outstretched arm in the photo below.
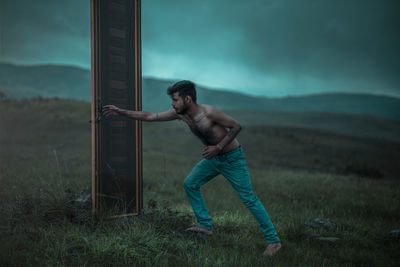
(111, 110)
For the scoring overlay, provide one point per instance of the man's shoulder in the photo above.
(208, 109)
(212, 113)
(215, 114)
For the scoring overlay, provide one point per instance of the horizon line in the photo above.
(212, 88)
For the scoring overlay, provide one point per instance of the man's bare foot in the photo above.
(272, 248)
(199, 229)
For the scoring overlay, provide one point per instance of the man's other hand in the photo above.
(110, 110)
(210, 152)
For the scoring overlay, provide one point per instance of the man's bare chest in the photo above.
(202, 126)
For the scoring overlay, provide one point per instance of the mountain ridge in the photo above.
(72, 82)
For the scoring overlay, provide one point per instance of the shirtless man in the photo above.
(222, 155)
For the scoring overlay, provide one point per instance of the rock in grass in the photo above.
(321, 222)
(84, 198)
(81, 206)
(146, 211)
(395, 234)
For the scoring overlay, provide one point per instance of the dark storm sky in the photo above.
(263, 47)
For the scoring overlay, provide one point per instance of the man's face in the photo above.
(178, 103)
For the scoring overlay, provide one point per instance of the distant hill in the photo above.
(48, 81)
(341, 123)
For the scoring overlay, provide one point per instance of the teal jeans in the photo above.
(233, 166)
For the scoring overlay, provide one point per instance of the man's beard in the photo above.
(183, 110)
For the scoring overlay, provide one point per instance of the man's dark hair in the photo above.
(184, 88)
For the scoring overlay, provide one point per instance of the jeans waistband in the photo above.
(226, 155)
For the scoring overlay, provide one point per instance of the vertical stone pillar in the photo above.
(116, 79)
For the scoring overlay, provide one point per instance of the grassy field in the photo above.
(299, 174)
